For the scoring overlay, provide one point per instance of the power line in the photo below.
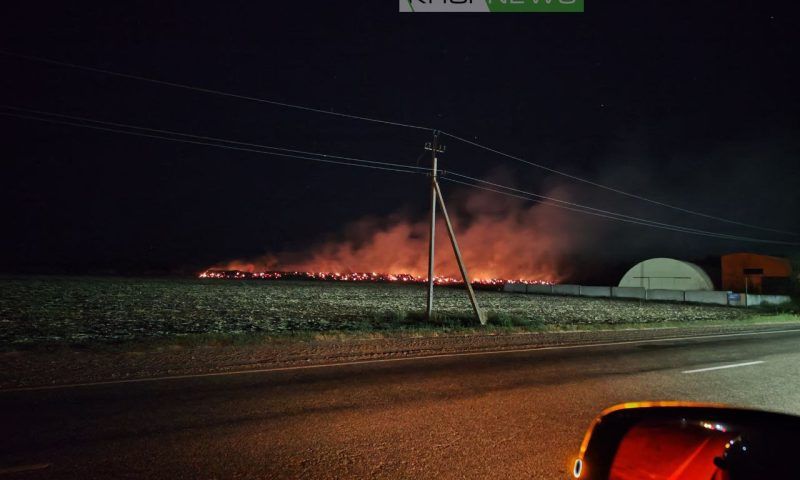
(615, 216)
(614, 189)
(350, 161)
(207, 90)
(386, 122)
(202, 137)
(372, 164)
(608, 212)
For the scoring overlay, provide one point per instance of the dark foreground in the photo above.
(509, 415)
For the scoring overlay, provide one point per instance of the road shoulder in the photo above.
(67, 366)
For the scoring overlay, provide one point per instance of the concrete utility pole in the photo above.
(436, 195)
(434, 148)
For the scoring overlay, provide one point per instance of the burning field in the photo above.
(37, 310)
(357, 277)
(501, 239)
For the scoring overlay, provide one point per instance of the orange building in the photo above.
(750, 272)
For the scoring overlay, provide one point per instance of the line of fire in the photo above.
(357, 277)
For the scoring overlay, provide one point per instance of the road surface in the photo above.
(502, 415)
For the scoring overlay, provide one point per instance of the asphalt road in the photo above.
(504, 415)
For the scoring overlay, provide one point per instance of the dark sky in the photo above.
(696, 105)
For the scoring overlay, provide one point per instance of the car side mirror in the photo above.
(688, 441)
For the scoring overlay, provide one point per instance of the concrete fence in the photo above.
(756, 300)
(713, 297)
(666, 295)
(636, 293)
(540, 289)
(515, 288)
(574, 290)
(596, 292)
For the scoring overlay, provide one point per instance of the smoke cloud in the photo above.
(500, 238)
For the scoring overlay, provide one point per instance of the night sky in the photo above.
(696, 104)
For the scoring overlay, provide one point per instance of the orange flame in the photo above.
(499, 239)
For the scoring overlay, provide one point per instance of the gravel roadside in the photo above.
(67, 366)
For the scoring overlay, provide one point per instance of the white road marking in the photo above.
(722, 367)
(24, 468)
(385, 360)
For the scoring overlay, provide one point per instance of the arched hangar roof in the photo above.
(667, 274)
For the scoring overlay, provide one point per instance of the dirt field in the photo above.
(83, 310)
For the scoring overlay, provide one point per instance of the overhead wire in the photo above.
(615, 216)
(128, 129)
(202, 137)
(614, 189)
(350, 161)
(608, 212)
(208, 90)
(372, 164)
(393, 123)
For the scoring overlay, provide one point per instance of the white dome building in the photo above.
(667, 274)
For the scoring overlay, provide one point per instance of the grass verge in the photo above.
(394, 325)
